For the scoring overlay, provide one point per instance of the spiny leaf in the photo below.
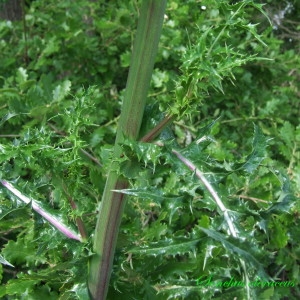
(20, 287)
(259, 7)
(194, 151)
(21, 251)
(12, 210)
(152, 194)
(178, 267)
(247, 256)
(259, 145)
(173, 203)
(81, 292)
(182, 291)
(251, 28)
(168, 247)
(286, 199)
(156, 231)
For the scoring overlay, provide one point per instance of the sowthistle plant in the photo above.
(206, 63)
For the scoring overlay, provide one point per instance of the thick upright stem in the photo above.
(112, 204)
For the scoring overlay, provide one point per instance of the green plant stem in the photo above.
(112, 204)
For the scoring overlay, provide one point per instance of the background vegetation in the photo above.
(231, 78)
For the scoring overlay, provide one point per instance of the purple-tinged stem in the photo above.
(50, 218)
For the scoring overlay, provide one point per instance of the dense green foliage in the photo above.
(61, 90)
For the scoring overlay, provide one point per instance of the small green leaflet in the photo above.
(257, 155)
(21, 75)
(61, 91)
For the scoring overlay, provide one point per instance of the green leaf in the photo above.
(61, 91)
(173, 203)
(259, 7)
(151, 194)
(278, 236)
(251, 28)
(80, 291)
(20, 287)
(22, 251)
(51, 47)
(287, 133)
(257, 155)
(2, 291)
(286, 198)
(233, 246)
(11, 210)
(21, 76)
(174, 246)
(156, 231)
(268, 294)
(9, 92)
